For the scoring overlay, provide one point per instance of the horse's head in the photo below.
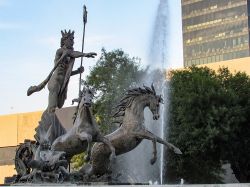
(139, 98)
(153, 102)
(86, 98)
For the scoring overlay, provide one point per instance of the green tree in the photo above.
(113, 73)
(237, 144)
(209, 122)
(77, 161)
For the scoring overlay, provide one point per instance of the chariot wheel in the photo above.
(24, 154)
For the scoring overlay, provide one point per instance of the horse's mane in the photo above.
(129, 97)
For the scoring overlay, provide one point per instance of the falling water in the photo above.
(135, 165)
(158, 47)
(163, 120)
(158, 56)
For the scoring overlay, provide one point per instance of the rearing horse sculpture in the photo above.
(131, 132)
(85, 131)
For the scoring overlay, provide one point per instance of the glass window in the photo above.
(213, 58)
(234, 55)
(239, 40)
(209, 59)
(230, 55)
(217, 58)
(202, 60)
(226, 56)
(221, 58)
(205, 60)
(234, 42)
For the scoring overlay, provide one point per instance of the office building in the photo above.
(214, 30)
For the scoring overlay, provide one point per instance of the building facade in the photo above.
(214, 30)
(15, 128)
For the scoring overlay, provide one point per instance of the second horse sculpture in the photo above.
(131, 132)
(85, 131)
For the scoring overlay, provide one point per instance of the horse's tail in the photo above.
(100, 159)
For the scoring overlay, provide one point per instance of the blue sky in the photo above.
(30, 35)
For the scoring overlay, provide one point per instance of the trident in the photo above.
(80, 78)
(83, 36)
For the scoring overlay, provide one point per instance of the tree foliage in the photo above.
(78, 161)
(209, 121)
(113, 73)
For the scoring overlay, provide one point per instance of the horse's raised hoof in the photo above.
(112, 157)
(153, 160)
(177, 151)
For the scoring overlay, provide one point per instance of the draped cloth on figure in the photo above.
(47, 120)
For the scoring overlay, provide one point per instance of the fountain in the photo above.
(46, 160)
(157, 56)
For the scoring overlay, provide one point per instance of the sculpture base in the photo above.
(138, 184)
(76, 184)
